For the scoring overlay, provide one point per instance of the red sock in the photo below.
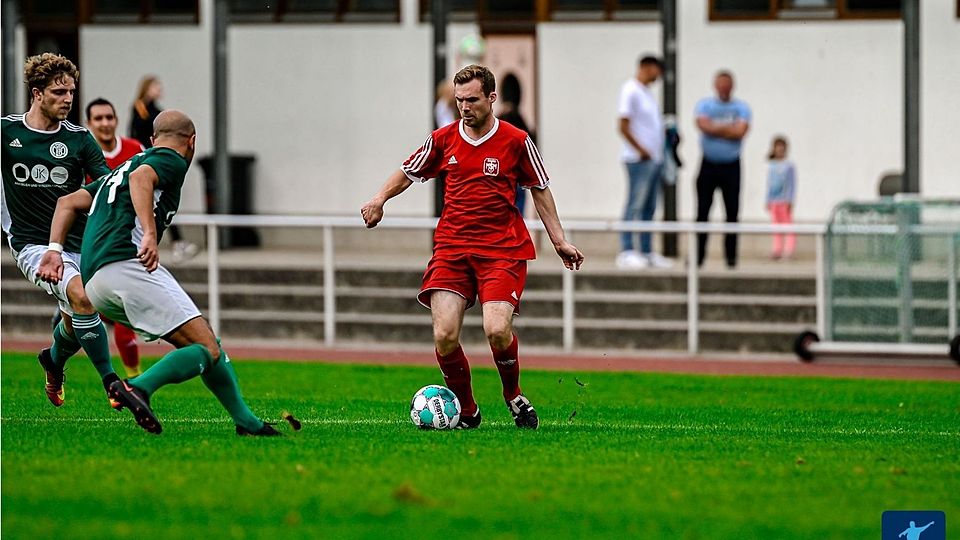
(508, 364)
(126, 342)
(456, 375)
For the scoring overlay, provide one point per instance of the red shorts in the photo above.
(493, 280)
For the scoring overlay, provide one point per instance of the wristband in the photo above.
(55, 246)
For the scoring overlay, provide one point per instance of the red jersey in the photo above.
(479, 217)
(125, 149)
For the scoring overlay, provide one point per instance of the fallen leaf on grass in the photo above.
(406, 493)
(294, 423)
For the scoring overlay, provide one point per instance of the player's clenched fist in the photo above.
(372, 213)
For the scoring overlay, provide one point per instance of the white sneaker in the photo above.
(631, 260)
(184, 251)
(657, 260)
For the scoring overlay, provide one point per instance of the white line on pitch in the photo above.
(612, 426)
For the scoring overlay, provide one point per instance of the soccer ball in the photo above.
(435, 407)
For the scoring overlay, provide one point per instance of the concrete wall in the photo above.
(113, 58)
(331, 110)
(940, 113)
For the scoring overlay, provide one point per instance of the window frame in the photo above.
(281, 14)
(779, 11)
(87, 11)
(545, 11)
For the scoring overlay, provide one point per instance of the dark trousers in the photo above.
(726, 177)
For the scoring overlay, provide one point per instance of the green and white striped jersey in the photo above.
(113, 230)
(38, 168)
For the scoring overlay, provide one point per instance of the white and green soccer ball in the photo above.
(435, 407)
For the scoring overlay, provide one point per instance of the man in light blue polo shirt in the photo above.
(723, 122)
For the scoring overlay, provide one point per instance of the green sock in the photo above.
(175, 367)
(222, 381)
(91, 333)
(64, 345)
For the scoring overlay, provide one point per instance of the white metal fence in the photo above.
(213, 224)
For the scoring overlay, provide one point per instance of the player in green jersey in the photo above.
(128, 212)
(46, 157)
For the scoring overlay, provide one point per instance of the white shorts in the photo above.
(152, 304)
(28, 260)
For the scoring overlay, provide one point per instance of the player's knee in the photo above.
(446, 339)
(214, 351)
(79, 301)
(499, 333)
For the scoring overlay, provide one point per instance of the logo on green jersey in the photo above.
(40, 173)
(59, 175)
(59, 150)
(21, 172)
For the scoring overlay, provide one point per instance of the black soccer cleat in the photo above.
(53, 386)
(469, 422)
(134, 400)
(523, 413)
(266, 431)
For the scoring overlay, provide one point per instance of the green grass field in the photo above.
(645, 456)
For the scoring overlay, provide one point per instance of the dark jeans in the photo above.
(726, 177)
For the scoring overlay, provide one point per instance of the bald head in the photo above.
(174, 129)
(173, 123)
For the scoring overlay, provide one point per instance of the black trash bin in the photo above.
(240, 197)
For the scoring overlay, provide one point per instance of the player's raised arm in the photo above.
(68, 208)
(547, 209)
(372, 211)
(143, 182)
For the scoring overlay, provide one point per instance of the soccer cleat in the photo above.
(114, 404)
(137, 403)
(266, 431)
(523, 413)
(54, 385)
(469, 422)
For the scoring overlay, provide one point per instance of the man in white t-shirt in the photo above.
(641, 126)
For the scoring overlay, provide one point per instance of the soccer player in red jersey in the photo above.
(481, 245)
(102, 122)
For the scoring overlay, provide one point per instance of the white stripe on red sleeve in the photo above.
(420, 158)
(537, 162)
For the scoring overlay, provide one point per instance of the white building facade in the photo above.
(329, 110)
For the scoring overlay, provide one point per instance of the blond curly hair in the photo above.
(42, 70)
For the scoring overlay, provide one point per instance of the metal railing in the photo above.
(213, 223)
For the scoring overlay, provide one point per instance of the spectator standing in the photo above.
(145, 111)
(781, 191)
(641, 126)
(510, 95)
(723, 122)
(445, 111)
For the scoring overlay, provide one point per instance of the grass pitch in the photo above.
(645, 456)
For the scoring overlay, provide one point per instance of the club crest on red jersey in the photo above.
(491, 166)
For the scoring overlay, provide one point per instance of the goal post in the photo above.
(890, 279)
